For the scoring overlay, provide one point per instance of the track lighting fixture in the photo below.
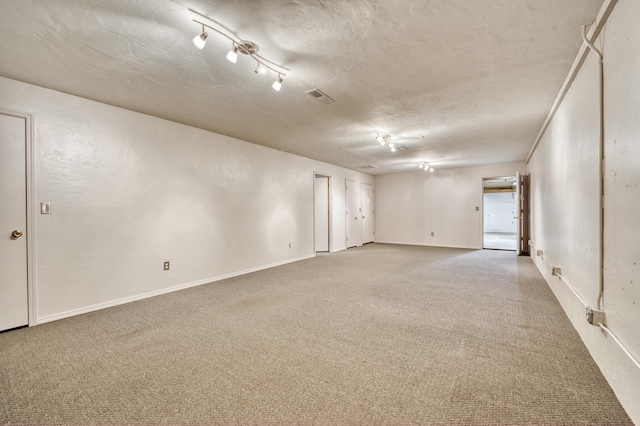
(385, 140)
(260, 69)
(200, 39)
(232, 56)
(277, 84)
(424, 165)
(246, 47)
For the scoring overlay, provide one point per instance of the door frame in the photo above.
(516, 176)
(30, 216)
(330, 178)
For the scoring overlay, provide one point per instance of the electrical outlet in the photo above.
(45, 208)
(166, 266)
(290, 245)
(477, 208)
(433, 234)
(595, 316)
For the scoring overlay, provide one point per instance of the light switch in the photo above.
(45, 208)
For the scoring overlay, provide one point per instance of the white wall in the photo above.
(409, 206)
(129, 191)
(500, 208)
(564, 184)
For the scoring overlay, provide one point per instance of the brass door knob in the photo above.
(16, 234)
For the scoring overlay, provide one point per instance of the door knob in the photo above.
(356, 218)
(16, 234)
(363, 217)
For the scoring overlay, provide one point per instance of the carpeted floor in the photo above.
(377, 335)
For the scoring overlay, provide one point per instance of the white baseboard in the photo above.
(427, 245)
(99, 306)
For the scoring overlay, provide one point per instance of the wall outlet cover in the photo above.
(594, 316)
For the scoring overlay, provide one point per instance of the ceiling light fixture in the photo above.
(424, 165)
(246, 47)
(385, 140)
(200, 40)
(277, 84)
(260, 69)
(232, 56)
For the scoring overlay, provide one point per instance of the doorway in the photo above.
(322, 209)
(500, 217)
(14, 284)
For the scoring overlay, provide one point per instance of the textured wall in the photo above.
(129, 191)
(564, 178)
(409, 206)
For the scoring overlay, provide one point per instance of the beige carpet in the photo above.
(377, 335)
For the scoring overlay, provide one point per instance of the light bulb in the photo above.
(260, 69)
(277, 84)
(426, 168)
(421, 165)
(431, 170)
(200, 40)
(380, 139)
(232, 56)
(393, 149)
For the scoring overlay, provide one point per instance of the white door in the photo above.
(321, 208)
(367, 213)
(518, 216)
(13, 223)
(353, 214)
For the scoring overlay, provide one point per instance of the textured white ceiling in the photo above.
(456, 82)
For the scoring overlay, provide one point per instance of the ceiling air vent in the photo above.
(319, 96)
(368, 166)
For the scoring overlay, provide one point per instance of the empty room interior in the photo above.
(387, 212)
